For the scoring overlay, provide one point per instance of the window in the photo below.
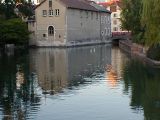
(97, 15)
(32, 24)
(115, 29)
(102, 33)
(57, 12)
(105, 31)
(86, 14)
(114, 15)
(92, 15)
(109, 19)
(102, 19)
(50, 12)
(50, 3)
(50, 30)
(81, 14)
(44, 35)
(109, 32)
(44, 13)
(115, 22)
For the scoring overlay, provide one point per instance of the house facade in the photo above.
(69, 23)
(115, 7)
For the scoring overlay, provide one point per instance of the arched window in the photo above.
(50, 30)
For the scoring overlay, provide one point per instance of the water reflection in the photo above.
(28, 80)
(114, 70)
(57, 69)
(144, 84)
(17, 97)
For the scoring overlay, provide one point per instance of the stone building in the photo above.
(69, 23)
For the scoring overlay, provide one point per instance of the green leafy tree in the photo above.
(14, 31)
(9, 9)
(131, 19)
(150, 18)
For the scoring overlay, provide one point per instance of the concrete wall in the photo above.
(32, 29)
(82, 26)
(105, 26)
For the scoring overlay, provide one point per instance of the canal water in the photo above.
(85, 83)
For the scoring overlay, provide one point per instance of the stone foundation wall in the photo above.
(137, 51)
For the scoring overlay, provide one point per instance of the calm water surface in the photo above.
(84, 83)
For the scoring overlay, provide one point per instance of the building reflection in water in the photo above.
(57, 69)
(114, 70)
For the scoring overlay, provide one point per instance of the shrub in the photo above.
(154, 52)
(14, 31)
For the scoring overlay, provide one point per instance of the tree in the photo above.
(131, 19)
(9, 6)
(14, 31)
(150, 19)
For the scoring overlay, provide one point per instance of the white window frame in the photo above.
(102, 19)
(44, 13)
(57, 12)
(51, 12)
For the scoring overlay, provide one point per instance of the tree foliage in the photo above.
(131, 19)
(13, 31)
(7, 9)
(12, 28)
(141, 17)
(26, 9)
(150, 18)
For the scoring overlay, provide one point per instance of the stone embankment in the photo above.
(137, 51)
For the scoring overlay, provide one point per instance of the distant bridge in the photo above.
(116, 36)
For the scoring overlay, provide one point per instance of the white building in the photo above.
(115, 7)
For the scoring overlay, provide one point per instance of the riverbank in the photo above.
(137, 52)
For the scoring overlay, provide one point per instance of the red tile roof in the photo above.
(111, 3)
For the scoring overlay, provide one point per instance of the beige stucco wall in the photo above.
(32, 29)
(42, 24)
